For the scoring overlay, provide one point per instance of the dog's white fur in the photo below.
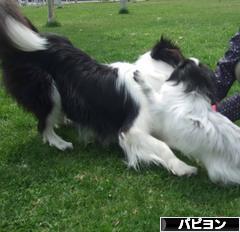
(138, 143)
(24, 38)
(156, 72)
(186, 122)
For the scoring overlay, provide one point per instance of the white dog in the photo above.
(183, 118)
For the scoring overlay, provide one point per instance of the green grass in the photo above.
(53, 24)
(90, 188)
(123, 11)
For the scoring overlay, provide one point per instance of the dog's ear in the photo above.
(196, 77)
(167, 51)
(197, 122)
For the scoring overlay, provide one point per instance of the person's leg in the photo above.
(225, 75)
(230, 107)
(225, 71)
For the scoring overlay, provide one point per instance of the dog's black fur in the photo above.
(31, 86)
(87, 88)
(195, 77)
(167, 51)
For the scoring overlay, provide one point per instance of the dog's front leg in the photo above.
(142, 147)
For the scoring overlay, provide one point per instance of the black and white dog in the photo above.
(50, 77)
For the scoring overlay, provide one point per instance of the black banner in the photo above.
(199, 224)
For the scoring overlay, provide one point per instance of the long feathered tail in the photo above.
(16, 31)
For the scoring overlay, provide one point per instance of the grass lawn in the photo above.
(90, 188)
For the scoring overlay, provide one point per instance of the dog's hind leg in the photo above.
(52, 119)
(142, 147)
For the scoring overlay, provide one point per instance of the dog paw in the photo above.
(121, 136)
(63, 145)
(67, 122)
(180, 168)
(136, 77)
(58, 143)
(56, 126)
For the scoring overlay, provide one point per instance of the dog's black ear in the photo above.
(167, 51)
(195, 77)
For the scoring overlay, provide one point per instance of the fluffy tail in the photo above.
(223, 138)
(16, 31)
